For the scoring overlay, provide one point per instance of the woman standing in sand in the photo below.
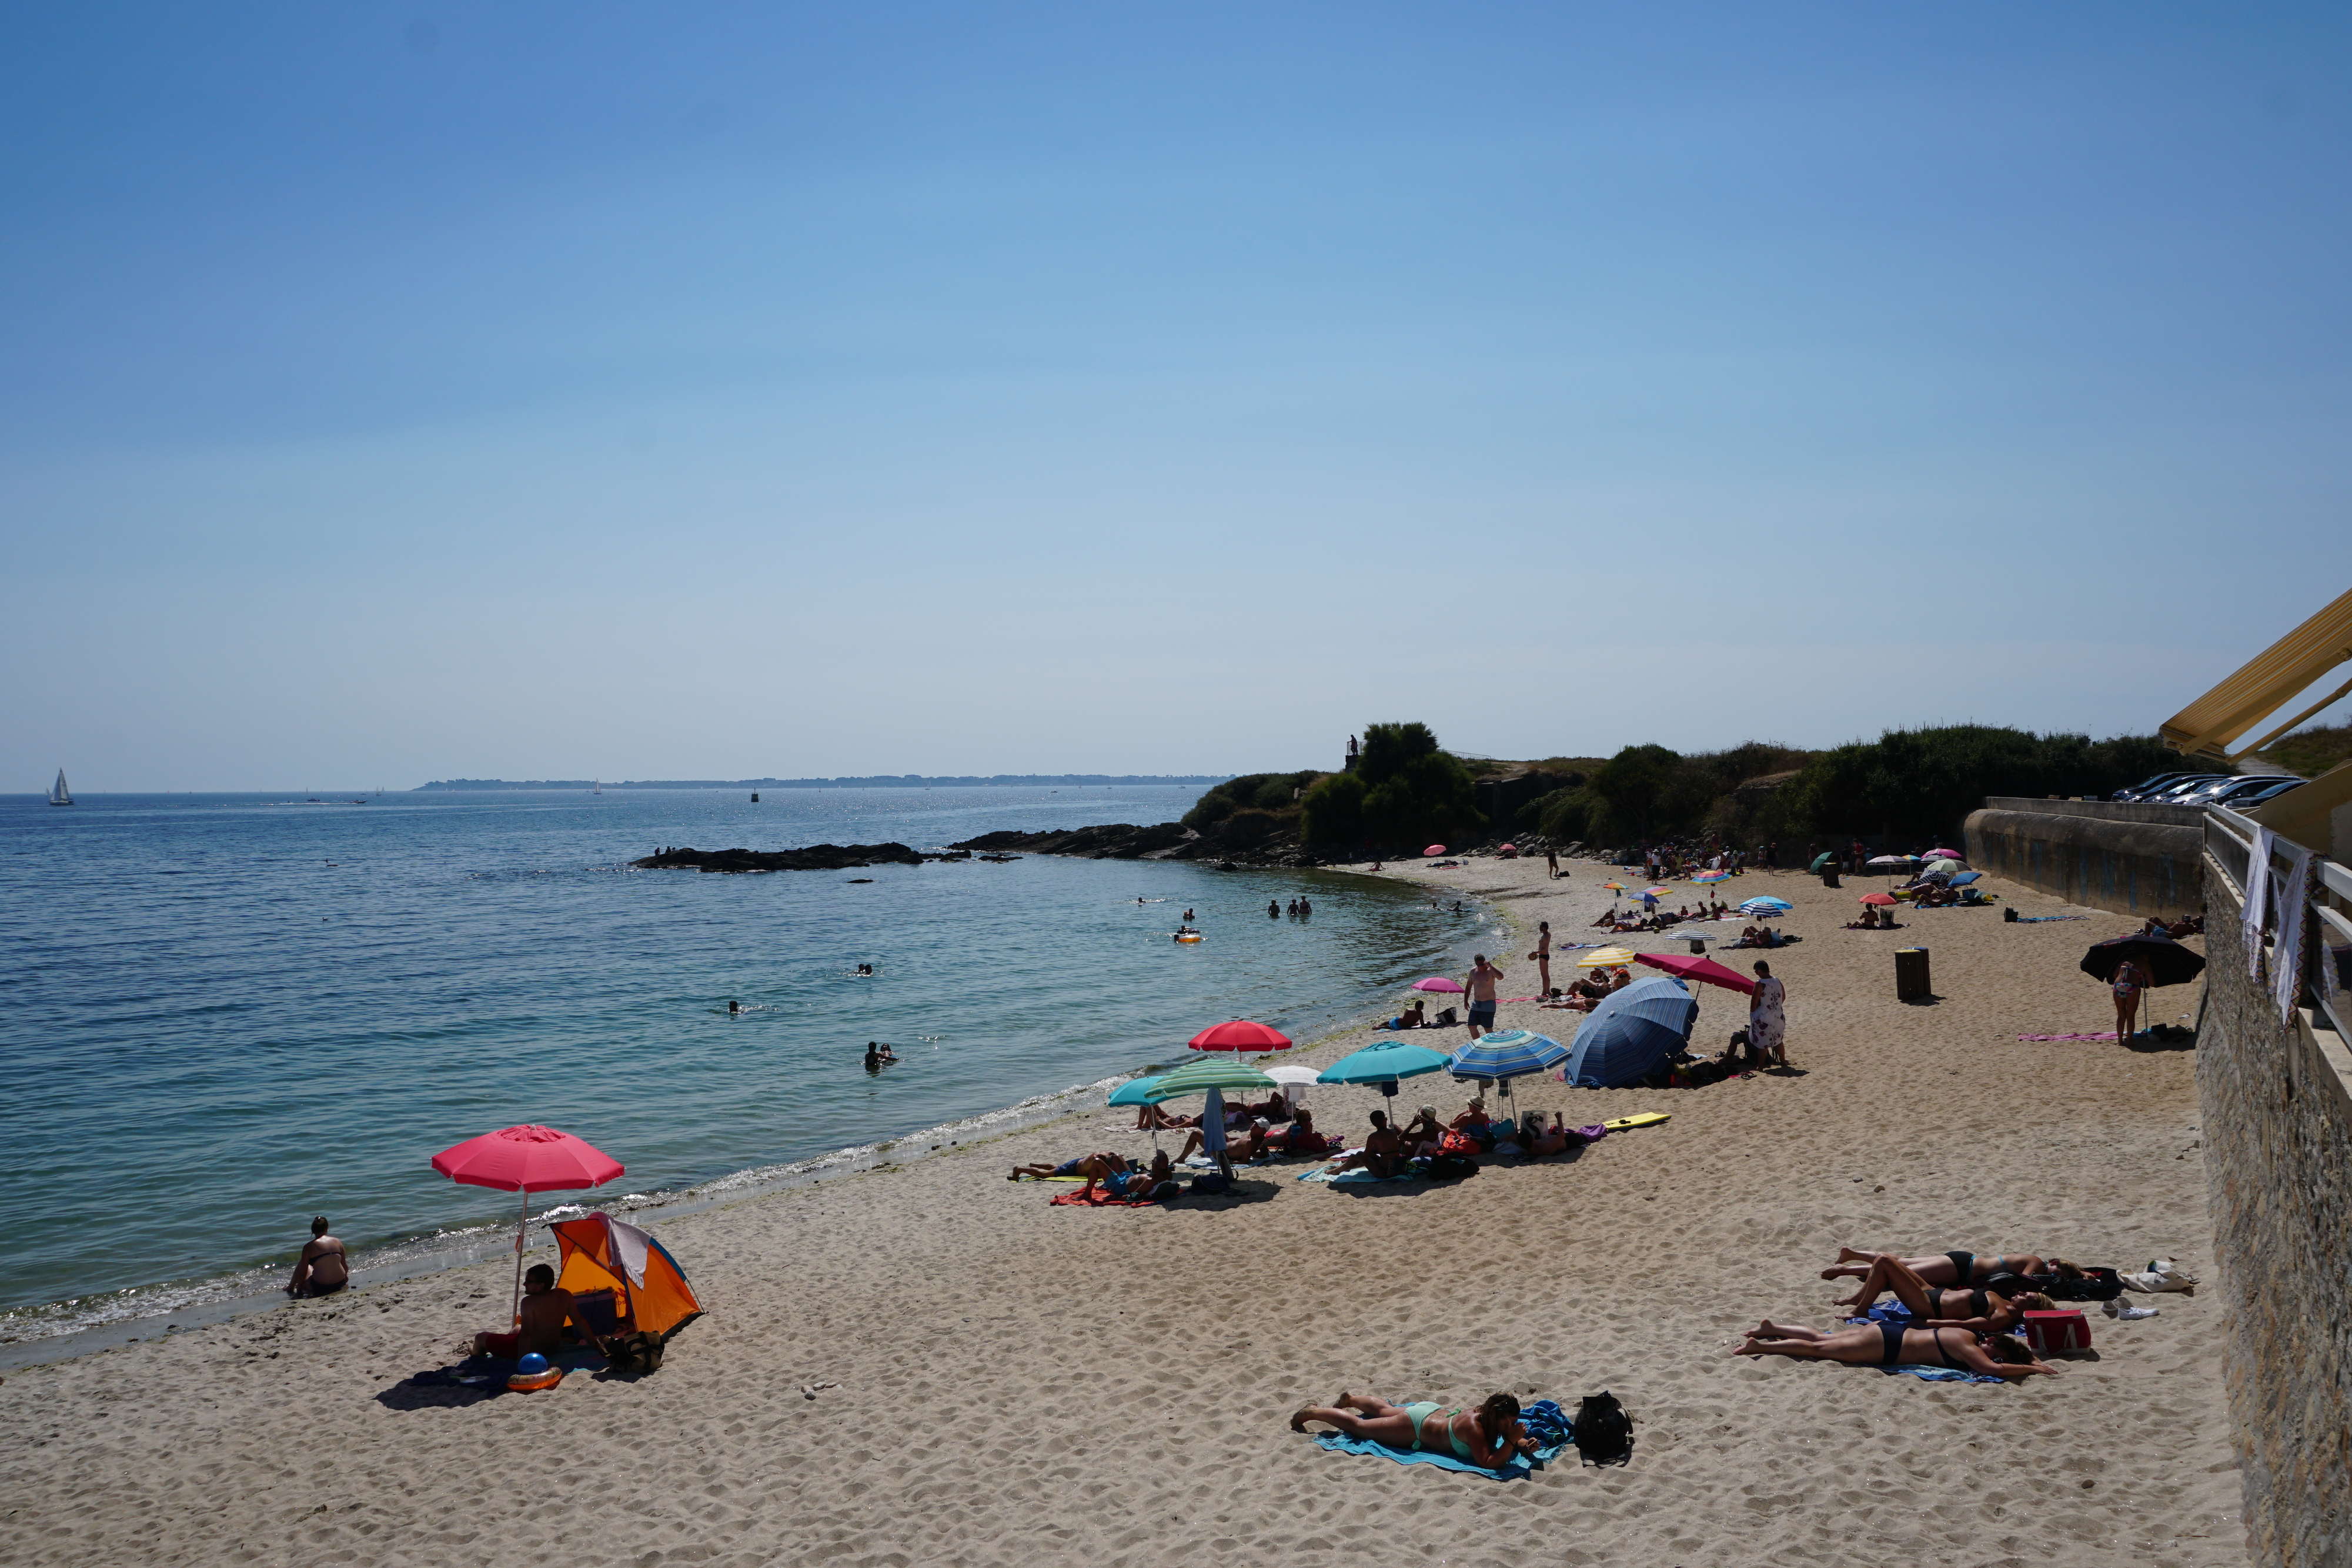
(1767, 1020)
(1542, 956)
(1492, 1435)
(2128, 982)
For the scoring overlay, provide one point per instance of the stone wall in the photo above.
(2116, 855)
(2277, 1124)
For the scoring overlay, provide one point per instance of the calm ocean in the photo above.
(222, 1014)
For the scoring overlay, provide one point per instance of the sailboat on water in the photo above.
(58, 794)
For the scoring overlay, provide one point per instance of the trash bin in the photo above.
(1911, 974)
(1829, 875)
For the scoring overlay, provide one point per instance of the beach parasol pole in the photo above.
(520, 1229)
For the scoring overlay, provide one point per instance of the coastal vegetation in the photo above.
(2312, 752)
(1405, 790)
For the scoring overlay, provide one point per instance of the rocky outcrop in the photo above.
(1110, 841)
(815, 857)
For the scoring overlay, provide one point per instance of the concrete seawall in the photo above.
(2115, 856)
(2276, 1110)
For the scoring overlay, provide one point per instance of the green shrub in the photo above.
(1256, 791)
(1404, 791)
(1923, 783)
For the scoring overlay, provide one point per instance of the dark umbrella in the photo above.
(2165, 961)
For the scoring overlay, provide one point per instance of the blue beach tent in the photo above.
(1631, 1033)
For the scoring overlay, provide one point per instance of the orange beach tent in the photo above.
(625, 1279)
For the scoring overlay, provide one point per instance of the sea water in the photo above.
(220, 1015)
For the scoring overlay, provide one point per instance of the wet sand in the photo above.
(1021, 1384)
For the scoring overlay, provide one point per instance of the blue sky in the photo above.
(392, 393)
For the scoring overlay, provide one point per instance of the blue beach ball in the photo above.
(531, 1365)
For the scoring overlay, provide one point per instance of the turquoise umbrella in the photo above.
(1384, 1062)
(1135, 1092)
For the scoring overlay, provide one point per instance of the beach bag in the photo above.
(1452, 1167)
(1211, 1185)
(2099, 1285)
(1604, 1433)
(2048, 1333)
(635, 1351)
(1445, 1016)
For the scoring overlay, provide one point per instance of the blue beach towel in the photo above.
(1893, 1312)
(1544, 1420)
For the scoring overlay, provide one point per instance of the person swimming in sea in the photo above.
(878, 1056)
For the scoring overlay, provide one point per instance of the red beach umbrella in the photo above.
(1691, 966)
(1241, 1034)
(527, 1159)
(1881, 899)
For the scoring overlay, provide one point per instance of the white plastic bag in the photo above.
(2162, 1274)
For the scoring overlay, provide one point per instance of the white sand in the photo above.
(1024, 1385)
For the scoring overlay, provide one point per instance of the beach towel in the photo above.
(2036, 919)
(1101, 1199)
(1542, 1428)
(1891, 1311)
(2109, 1035)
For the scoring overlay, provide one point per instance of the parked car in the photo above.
(2250, 792)
(2174, 793)
(2209, 791)
(2141, 790)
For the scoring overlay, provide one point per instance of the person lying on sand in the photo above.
(1153, 1119)
(1492, 1435)
(544, 1311)
(1884, 1344)
(1043, 1172)
(1966, 1269)
(1999, 1306)
(1128, 1181)
(1539, 1141)
(1413, 1017)
(1249, 1151)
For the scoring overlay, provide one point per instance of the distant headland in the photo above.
(870, 781)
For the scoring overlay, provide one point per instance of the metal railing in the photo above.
(2230, 839)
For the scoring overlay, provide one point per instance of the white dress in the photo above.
(1765, 1022)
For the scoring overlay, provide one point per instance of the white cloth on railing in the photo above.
(2294, 902)
(2258, 898)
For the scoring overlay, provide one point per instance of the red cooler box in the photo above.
(2051, 1333)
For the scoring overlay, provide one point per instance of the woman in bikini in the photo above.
(1964, 1270)
(2128, 982)
(1888, 1345)
(1998, 1306)
(1492, 1435)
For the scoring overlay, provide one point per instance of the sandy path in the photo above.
(1027, 1384)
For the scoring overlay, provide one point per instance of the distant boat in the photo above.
(58, 794)
(599, 789)
(755, 797)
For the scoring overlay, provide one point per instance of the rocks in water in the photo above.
(1126, 841)
(815, 857)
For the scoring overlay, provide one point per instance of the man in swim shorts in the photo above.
(544, 1311)
(1479, 988)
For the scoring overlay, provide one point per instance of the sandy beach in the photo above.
(1020, 1383)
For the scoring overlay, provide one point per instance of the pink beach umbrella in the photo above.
(1241, 1034)
(1436, 983)
(527, 1159)
(1433, 850)
(1945, 854)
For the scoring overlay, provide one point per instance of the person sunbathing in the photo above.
(1249, 1151)
(1076, 1167)
(1869, 922)
(1941, 1268)
(541, 1330)
(1384, 1152)
(1301, 1138)
(1424, 1132)
(1274, 1108)
(1610, 920)
(1492, 1435)
(1119, 1179)
(1153, 1119)
(1413, 1017)
(1539, 1141)
(1472, 1125)
(1888, 1345)
(1741, 1055)
(1998, 1306)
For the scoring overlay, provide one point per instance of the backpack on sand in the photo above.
(635, 1352)
(1604, 1433)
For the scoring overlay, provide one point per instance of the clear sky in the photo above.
(399, 391)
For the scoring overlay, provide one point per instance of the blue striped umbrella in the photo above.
(1508, 1053)
(1765, 907)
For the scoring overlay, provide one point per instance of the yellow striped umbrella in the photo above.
(1606, 958)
